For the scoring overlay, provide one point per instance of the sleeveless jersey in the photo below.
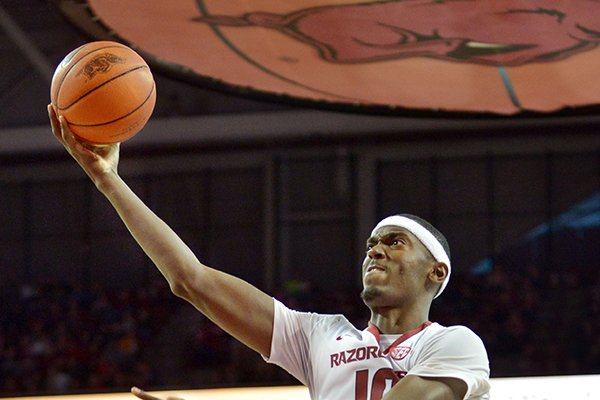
(337, 361)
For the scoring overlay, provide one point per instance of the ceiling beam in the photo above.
(234, 130)
(29, 49)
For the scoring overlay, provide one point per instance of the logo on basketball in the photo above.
(100, 64)
(400, 352)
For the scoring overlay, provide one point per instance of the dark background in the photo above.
(283, 197)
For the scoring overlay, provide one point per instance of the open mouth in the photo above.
(374, 268)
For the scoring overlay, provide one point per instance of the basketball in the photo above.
(105, 91)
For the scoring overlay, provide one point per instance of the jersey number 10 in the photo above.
(383, 379)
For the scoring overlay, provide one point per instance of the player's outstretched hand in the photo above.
(145, 396)
(95, 160)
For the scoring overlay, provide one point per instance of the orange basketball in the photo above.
(105, 91)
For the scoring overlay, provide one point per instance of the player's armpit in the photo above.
(414, 387)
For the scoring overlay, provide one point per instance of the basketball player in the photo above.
(400, 355)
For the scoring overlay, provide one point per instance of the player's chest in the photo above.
(356, 352)
(361, 369)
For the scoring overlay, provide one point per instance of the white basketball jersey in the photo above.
(336, 361)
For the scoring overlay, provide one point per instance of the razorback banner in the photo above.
(477, 56)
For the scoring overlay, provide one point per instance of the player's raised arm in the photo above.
(236, 306)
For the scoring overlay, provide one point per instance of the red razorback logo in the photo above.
(510, 32)
(400, 352)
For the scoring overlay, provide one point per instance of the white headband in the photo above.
(429, 241)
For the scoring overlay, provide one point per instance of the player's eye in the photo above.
(397, 241)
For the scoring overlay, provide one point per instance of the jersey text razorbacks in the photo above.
(353, 355)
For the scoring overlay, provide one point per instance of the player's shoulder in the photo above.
(313, 319)
(454, 333)
(331, 320)
(451, 329)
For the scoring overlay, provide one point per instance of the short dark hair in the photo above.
(434, 231)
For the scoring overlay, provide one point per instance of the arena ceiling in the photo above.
(287, 59)
(35, 36)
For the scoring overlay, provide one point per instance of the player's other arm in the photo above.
(236, 306)
(413, 387)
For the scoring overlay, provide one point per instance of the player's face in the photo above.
(395, 269)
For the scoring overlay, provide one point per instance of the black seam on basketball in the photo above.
(73, 66)
(124, 116)
(102, 84)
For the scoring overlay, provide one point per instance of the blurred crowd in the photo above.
(62, 339)
(533, 321)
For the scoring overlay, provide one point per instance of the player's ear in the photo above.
(438, 272)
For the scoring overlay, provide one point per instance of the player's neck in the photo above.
(397, 320)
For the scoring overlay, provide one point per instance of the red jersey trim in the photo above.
(405, 336)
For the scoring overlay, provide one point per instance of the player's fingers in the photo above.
(146, 396)
(54, 122)
(65, 134)
(61, 129)
(64, 128)
(143, 395)
(69, 139)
